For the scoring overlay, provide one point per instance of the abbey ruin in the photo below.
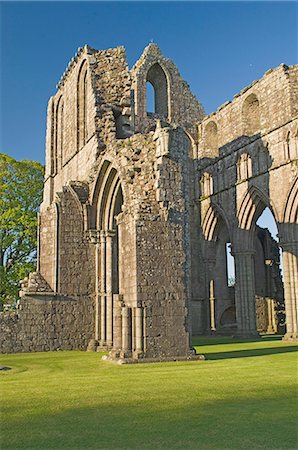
(141, 209)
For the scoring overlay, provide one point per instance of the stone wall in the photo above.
(138, 208)
(75, 253)
(47, 323)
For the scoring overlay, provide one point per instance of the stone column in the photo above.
(117, 325)
(272, 326)
(212, 306)
(210, 274)
(126, 337)
(291, 290)
(102, 289)
(138, 331)
(245, 294)
(97, 293)
(93, 238)
(109, 288)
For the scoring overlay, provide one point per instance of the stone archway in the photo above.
(108, 201)
(219, 295)
(251, 261)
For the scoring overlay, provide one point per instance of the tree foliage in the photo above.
(21, 184)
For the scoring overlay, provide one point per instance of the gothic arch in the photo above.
(244, 167)
(290, 214)
(211, 137)
(218, 295)
(158, 78)
(107, 197)
(211, 222)
(82, 105)
(59, 134)
(52, 137)
(252, 206)
(251, 115)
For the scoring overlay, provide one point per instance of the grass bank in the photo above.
(244, 396)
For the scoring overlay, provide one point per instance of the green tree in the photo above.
(21, 184)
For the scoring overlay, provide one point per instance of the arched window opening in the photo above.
(251, 115)
(157, 78)
(59, 134)
(230, 265)
(244, 167)
(150, 98)
(287, 146)
(206, 184)
(266, 220)
(82, 106)
(268, 275)
(211, 140)
(53, 142)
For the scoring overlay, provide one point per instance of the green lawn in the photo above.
(244, 396)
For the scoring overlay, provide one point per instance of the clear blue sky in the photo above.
(219, 48)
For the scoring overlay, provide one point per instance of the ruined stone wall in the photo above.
(107, 97)
(276, 101)
(182, 107)
(162, 287)
(47, 243)
(245, 149)
(171, 187)
(75, 254)
(53, 323)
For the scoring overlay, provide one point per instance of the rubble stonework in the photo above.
(139, 209)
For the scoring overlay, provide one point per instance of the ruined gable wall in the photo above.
(183, 108)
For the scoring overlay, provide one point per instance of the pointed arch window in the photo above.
(206, 184)
(244, 167)
(82, 106)
(59, 135)
(211, 140)
(251, 115)
(156, 77)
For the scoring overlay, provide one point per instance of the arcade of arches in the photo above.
(149, 228)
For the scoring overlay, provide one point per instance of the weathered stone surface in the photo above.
(139, 207)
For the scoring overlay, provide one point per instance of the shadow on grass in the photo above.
(216, 340)
(233, 423)
(249, 353)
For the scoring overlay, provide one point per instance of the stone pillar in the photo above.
(102, 289)
(210, 300)
(291, 290)
(138, 331)
(272, 326)
(109, 288)
(212, 306)
(93, 238)
(97, 293)
(126, 333)
(245, 294)
(117, 325)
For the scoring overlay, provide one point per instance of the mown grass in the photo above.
(244, 396)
